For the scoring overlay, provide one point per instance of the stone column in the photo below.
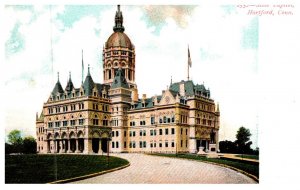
(69, 146)
(207, 146)
(61, 150)
(86, 146)
(192, 140)
(54, 146)
(77, 146)
(100, 149)
(217, 141)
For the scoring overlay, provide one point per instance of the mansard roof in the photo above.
(190, 88)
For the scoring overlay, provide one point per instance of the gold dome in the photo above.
(118, 39)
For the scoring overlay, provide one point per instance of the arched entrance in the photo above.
(104, 141)
(104, 144)
(72, 142)
(95, 145)
(80, 141)
(95, 141)
(56, 142)
(64, 142)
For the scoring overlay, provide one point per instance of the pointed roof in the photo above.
(119, 80)
(57, 88)
(70, 85)
(88, 84)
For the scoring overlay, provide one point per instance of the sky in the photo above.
(41, 40)
(223, 52)
(249, 63)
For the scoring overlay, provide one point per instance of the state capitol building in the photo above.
(110, 116)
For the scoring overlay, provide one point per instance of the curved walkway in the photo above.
(163, 170)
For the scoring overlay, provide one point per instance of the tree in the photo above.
(15, 138)
(227, 146)
(242, 140)
(29, 145)
(16, 141)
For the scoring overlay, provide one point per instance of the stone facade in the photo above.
(98, 118)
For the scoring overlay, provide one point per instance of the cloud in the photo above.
(161, 36)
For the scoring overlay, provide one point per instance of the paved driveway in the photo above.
(153, 169)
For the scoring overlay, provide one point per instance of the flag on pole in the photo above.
(189, 58)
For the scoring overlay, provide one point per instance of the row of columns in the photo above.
(127, 72)
(64, 146)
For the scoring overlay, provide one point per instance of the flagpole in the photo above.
(188, 71)
(82, 66)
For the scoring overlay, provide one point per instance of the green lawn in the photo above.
(255, 157)
(49, 168)
(249, 168)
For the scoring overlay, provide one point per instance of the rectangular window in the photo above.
(133, 144)
(117, 144)
(173, 131)
(165, 119)
(81, 121)
(130, 133)
(72, 122)
(113, 144)
(144, 133)
(124, 133)
(151, 132)
(160, 132)
(95, 122)
(133, 133)
(186, 143)
(65, 123)
(173, 144)
(154, 132)
(186, 131)
(130, 144)
(124, 144)
(141, 144)
(166, 144)
(141, 133)
(181, 143)
(50, 124)
(144, 144)
(160, 145)
(152, 120)
(117, 133)
(166, 131)
(181, 131)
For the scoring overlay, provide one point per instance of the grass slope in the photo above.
(249, 168)
(48, 168)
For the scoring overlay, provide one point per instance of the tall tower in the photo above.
(119, 52)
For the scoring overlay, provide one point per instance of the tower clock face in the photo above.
(167, 99)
